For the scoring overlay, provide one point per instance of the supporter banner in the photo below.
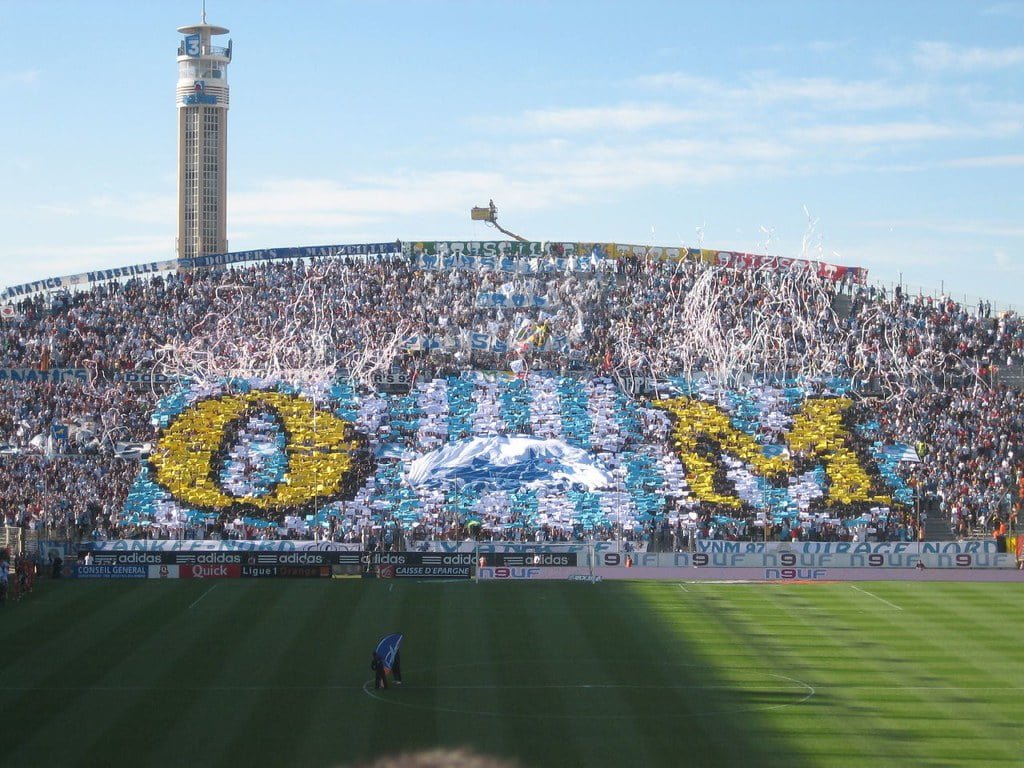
(491, 547)
(301, 252)
(220, 259)
(109, 572)
(216, 545)
(744, 261)
(502, 255)
(69, 281)
(645, 386)
(481, 342)
(393, 382)
(824, 270)
(656, 253)
(509, 256)
(147, 379)
(485, 299)
(51, 376)
(845, 547)
(135, 270)
(494, 248)
(9, 312)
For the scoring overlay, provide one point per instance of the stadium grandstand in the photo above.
(390, 395)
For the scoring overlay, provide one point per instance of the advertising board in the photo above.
(419, 565)
(109, 572)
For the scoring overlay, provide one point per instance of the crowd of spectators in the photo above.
(971, 429)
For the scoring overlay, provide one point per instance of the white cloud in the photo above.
(679, 81)
(23, 78)
(968, 227)
(1004, 9)
(945, 57)
(827, 46)
(767, 88)
(873, 133)
(620, 118)
(990, 161)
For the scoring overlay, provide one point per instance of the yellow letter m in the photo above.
(704, 436)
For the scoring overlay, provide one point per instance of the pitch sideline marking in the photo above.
(373, 694)
(236, 688)
(871, 594)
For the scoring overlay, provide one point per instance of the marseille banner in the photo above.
(49, 376)
(216, 545)
(84, 278)
(301, 252)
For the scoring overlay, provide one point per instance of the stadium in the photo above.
(758, 510)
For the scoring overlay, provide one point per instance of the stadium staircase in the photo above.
(938, 528)
(842, 305)
(30, 543)
(10, 538)
(1012, 376)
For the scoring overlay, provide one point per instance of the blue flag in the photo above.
(387, 648)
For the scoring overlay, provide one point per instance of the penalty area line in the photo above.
(870, 594)
(212, 587)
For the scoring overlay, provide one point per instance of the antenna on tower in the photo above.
(204, 11)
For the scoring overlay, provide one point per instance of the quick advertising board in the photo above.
(198, 571)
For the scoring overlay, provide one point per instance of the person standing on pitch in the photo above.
(380, 679)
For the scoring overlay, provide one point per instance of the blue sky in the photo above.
(888, 135)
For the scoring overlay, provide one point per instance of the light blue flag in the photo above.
(387, 649)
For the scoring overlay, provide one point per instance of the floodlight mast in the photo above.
(489, 215)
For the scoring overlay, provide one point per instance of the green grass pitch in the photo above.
(252, 673)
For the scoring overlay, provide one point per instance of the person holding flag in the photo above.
(386, 659)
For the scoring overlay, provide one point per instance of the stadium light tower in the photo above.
(202, 99)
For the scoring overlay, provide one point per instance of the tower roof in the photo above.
(211, 28)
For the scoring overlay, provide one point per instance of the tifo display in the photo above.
(391, 395)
